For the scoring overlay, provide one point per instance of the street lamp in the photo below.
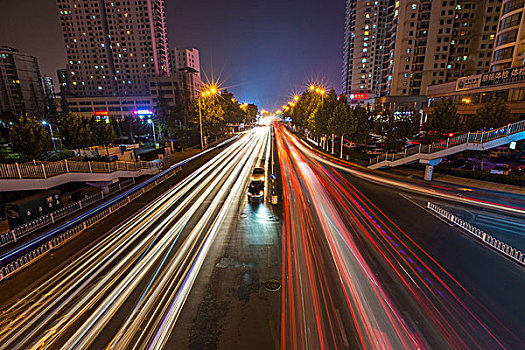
(150, 121)
(296, 98)
(204, 93)
(44, 123)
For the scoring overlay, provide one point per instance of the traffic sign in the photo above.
(273, 177)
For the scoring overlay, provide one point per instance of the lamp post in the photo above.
(200, 123)
(150, 121)
(205, 93)
(321, 92)
(44, 123)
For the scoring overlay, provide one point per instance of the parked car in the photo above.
(501, 152)
(349, 144)
(521, 164)
(501, 169)
(374, 151)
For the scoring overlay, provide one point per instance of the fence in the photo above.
(15, 234)
(43, 170)
(15, 260)
(476, 137)
(60, 239)
(503, 248)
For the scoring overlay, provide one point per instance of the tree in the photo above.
(75, 132)
(252, 111)
(103, 132)
(362, 125)
(232, 109)
(50, 112)
(324, 113)
(304, 108)
(492, 115)
(397, 128)
(64, 105)
(28, 137)
(212, 116)
(442, 120)
(341, 120)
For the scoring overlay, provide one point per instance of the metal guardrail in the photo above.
(44, 170)
(29, 252)
(475, 137)
(503, 248)
(12, 236)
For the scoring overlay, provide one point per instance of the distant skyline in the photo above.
(261, 51)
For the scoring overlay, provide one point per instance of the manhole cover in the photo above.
(272, 285)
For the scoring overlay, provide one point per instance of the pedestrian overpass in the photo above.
(431, 155)
(44, 175)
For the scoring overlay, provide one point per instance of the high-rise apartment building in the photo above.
(431, 42)
(185, 59)
(47, 86)
(64, 82)
(416, 43)
(509, 48)
(506, 77)
(113, 47)
(364, 40)
(20, 83)
(186, 70)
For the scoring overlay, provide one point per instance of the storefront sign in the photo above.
(470, 82)
(506, 76)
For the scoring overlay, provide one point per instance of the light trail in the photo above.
(505, 204)
(153, 259)
(328, 222)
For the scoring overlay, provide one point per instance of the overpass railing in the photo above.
(44, 170)
(20, 257)
(14, 235)
(470, 137)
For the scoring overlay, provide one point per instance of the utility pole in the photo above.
(200, 124)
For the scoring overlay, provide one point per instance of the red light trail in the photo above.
(334, 239)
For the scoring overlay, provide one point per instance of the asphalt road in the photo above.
(129, 287)
(360, 265)
(31, 276)
(407, 278)
(230, 307)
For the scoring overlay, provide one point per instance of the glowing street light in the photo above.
(150, 121)
(44, 123)
(205, 93)
(296, 98)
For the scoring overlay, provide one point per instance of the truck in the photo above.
(32, 207)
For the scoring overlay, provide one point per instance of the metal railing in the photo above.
(503, 248)
(12, 236)
(474, 137)
(44, 170)
(29, 252)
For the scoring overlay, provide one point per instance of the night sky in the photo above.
(263, 51)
